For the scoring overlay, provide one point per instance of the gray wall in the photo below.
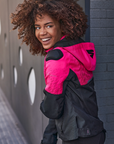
(18, 94)
(4, 49)
(102, 34)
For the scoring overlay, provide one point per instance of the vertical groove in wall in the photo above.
(87, 12)
(9, 52)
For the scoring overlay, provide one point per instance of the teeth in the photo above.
(45, 39)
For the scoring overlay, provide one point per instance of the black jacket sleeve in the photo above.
(50, 133)
(52, 106)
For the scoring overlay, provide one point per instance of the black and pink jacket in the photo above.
(70, 99)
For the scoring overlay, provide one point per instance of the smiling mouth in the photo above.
(45, 41)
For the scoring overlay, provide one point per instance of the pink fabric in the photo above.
(63, 37)
(75, 58)
(80, 53)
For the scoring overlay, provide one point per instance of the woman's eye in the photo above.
(37, 28)
(49, 26)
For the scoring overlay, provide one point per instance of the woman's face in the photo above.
(47, 31)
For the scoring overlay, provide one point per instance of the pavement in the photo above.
(11, 131)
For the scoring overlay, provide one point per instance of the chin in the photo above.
(47, 47)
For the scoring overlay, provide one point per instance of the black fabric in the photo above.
(75, 111)
(91, 52)
(52, 105)
(98, 139)
(65, 43)
(54, 55)
(80, 117)
(50, 133)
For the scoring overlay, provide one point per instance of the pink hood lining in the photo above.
(79, 51)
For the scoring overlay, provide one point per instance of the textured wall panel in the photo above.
(5, 49)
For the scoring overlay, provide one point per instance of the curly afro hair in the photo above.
(68, 13)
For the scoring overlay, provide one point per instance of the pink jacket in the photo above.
(80, 58)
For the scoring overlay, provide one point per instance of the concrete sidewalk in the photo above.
(11, 131)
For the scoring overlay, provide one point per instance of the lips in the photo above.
(45, 41)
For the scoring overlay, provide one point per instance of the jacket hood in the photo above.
(83, 51)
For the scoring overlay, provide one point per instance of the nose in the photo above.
(43, 31)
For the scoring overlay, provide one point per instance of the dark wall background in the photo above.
(102, 34)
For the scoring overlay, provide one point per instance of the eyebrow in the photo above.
(44, 24)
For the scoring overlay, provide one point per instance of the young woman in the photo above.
(53, 28)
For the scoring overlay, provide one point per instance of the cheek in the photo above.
(56, 33)
(59, 34)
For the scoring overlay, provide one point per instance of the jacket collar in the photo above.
(65, 43)
(54, 45)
